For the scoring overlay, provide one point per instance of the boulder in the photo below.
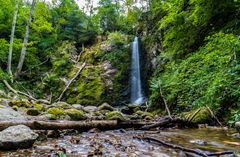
(75, 114)
(16, 137)
(7, 113)
(114, 115)
(57, 113)
(105, 106)
(77, 106)
(142, 114)
(33, 112)
(20, 103)
(62, 105)
(237, 126)
(90, 109)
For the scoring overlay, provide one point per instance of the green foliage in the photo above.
(210, 76)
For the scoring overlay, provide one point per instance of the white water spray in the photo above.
(137, 96)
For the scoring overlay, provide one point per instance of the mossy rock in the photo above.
(21, 103)
(115, 115)
(143, 114)
(62, 105)
(104, 112)
(56, 111)
(33, 112)
(75, 114)
(40, 107)
(105, 106)
(203, 116)
(1, 106)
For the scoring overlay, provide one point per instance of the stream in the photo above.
(121, 143)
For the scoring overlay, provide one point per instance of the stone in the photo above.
(62, 105)
(33, 112)
(40, 107)
(20, 103)
(237, 126)
(56, 112)
(115, 115)
(75, 114)
(90, 109)
(4, 102)
(16, 137)
(53, 134)
(105, 106)
(8, 113)
(143, 114)
(77, 106)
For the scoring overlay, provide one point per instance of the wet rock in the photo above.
(7, 113)
(75, 114)
(77, 106)
(53, 134)
(4, 102)
(115, 115)
(33, 112)
(105, 106)
(126, 110)
(198, 142)
(90, 109)
(15, 137)
(237, 126)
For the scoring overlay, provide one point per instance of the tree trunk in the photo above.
(78, 125)
(24, 46)
(9, 67)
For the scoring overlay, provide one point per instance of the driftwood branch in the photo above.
(151, 139)
(167, 121)
(213, 115)
(78, 125)
(188, 150)
(18, 92)
(165, 102)
(79, 56)
(71, 81)
(193, 115)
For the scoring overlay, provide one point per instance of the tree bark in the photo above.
(78, 125)
(70, 82)
(9, 67)
(25, 41)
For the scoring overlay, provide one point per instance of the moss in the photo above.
(1, 106)
(143, 114)
(56, 111)
(105, 106)
(21, 103)
(203, 116)
(75, 114)
(40, 107)
(114, 115)
(104, 111)
(88, 89)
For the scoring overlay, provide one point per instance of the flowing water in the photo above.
(121, 143)
(137, 96)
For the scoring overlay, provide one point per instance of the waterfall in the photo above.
(137, 96)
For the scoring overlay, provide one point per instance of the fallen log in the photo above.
(167, 121)
(77, 125)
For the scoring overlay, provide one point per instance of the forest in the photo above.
(77, 76)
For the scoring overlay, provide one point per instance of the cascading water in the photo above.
(137, 96)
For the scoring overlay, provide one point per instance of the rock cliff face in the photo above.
(106, 76)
